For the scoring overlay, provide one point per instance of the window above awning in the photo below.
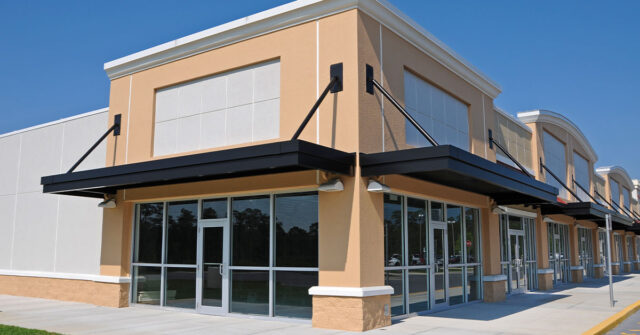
(450, 166)
(589, 211)
(288, 156)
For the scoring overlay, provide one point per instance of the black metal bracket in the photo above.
(115, 128)
(371, 83)
(334, 86)
(545, 168)
(492, 142)
(613, 204)
(583, 189)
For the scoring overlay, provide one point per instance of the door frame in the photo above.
(519, 234)
(202, 225)
(445, 263)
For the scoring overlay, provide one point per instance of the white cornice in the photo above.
(296, 13)
(606, 170)
(98, 111)
(562, 122)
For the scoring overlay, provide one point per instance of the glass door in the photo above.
(213, 258)
(440, 298)
(518, 275)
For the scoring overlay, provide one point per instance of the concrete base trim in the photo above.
(615, 264)
(627, 263)
(61, 275)
(577, 267)
(340, 291)
(545, 271)
(598, 265)
(494, 278)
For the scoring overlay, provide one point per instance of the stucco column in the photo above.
(351, 294)
(545, 273)
(494, 281)
(598, 267)
(574, 252)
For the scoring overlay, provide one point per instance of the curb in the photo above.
(613, 320)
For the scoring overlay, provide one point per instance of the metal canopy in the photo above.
(589, 211)
(288, 156)
(451, 166)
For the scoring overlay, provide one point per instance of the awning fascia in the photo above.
(451, 166)
(287, 156)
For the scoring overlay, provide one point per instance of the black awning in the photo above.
(589, 211)
(289, 156)
(450, 166)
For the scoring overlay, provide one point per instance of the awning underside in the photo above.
(450, 166)
(288, 156)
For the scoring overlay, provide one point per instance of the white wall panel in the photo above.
(79, 235)
(7, 203)
(79, 136)
(35, 232)
(40, 156)
(10, 150)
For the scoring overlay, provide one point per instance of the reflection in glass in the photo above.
(473, 283)
(472, 231)
(394, 279)
(250, 233)
(214, 209)
(454, 231)
(180, 286)
(212, 243)
(146, 285)
(437, 211)
(455, 286)
(515, 223)
(417, 234)
(296, 230)
(292, 297)
(182, 232)
(418, 290)
(392, 230)
(440, 263)
(250, 292)
(149, 233)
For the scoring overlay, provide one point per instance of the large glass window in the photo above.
(440, 114)
(626, 198)
(556, 161)
(182, 232)
(250, 232)
(148, 246)
(454, 230)
(239, 106)
(581, 175)
(417, 231)
(297, 230)
(615, 191)
(393, 230)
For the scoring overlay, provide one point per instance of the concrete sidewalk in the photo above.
(571, 309)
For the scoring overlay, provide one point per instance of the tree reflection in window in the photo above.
(250, 233)
(296, 230)
(149, 233)
(182, 232)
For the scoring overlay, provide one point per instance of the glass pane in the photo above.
(504, 242)
(250, 292)
(180, 287)
(418, 290)
(212, 245)
(472, 229)
(149, 233)
(417, 226)
(297, 230)
(521, 273)
(515, 223)
(514, 262)
(182, 232)
(250, 234)
(392, 230)
(394, 279)
(146, 285)
(437, 211)
(214, 209)
(474, 283)
(438, 253)
(455, 286)
(292, 293)
(454, 230)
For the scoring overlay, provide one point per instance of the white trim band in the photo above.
(577, 267)
(72, 276)
(340, 291)
(545, 271)
(598, 265)
(494, 278)
(627, 263)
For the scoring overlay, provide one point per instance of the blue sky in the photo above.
(577, 58)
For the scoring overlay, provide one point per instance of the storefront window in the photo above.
(392, 230)
(417, 231)
(149, 233)
(454, 226)
(250, 232)
(182, 232)
(296, 230)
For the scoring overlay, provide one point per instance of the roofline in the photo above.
(513, 118)
(606, 170)
(67, 119)
(541, 115)
(292, 14)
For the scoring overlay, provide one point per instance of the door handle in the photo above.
(221, 270)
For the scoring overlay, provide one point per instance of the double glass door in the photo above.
(586, 252)
(559, 252)
(212, 281)
(518, 269)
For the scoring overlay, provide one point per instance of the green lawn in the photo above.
(11, 330)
